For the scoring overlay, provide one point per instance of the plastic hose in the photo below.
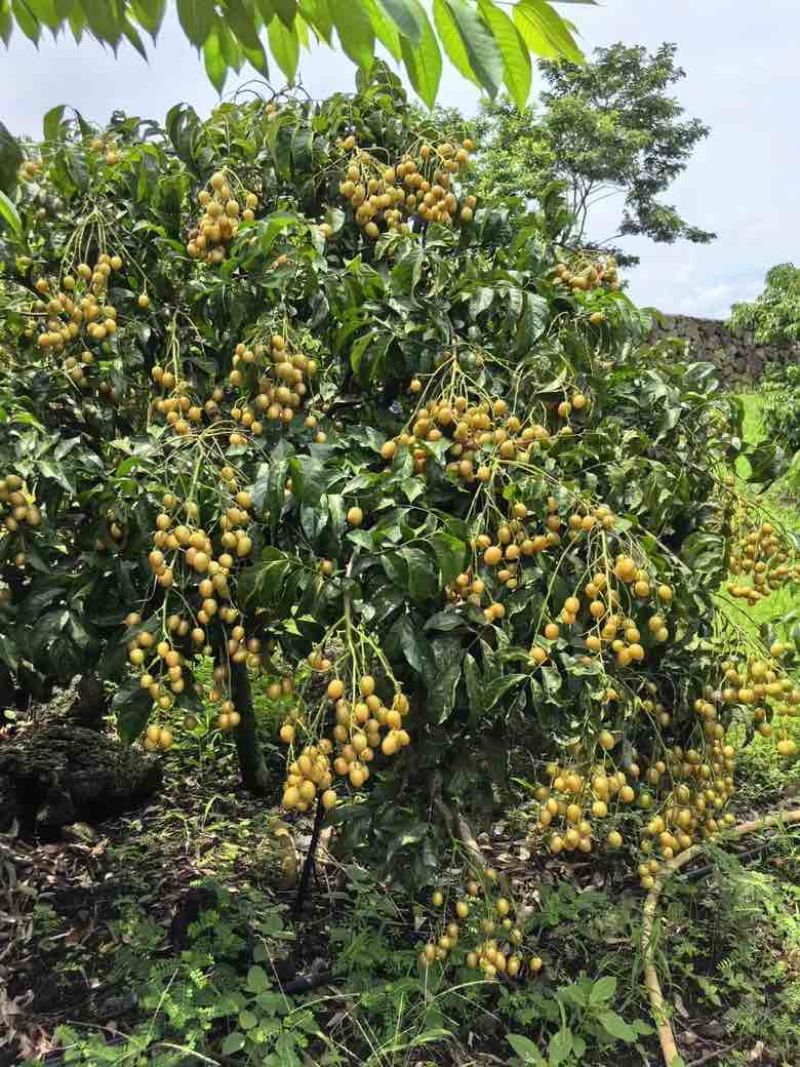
(666, 1036)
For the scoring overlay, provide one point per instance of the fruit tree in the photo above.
(284, 407)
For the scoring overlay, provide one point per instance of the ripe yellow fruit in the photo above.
(493, 555)
(143, 300)
(437, 898)
(329, 799)
(336, 689)
(355, 516)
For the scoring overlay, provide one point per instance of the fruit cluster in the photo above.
(763, 555)
(419, 187)
(18, 504)
(29, 170)
(361, 727)
(585, 273)
(479, 913)
(279, 376)
(77, 310)
(219, 223)
(605, 625)
(484, 435)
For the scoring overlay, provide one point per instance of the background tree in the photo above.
(774, 316)
(488, 46)
(607, 129)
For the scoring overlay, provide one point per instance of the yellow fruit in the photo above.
(336, 689)
(355, 516)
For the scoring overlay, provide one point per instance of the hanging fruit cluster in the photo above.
(275, 377)
(360, 727)
(76, 310)
(219, 223)
(196, 568)
(29, 169)
(584, 273)
(420, 186)
(272, 380)
(761, 559)
(17, 505)
(482, 917)
(484, 435)
(610, 601)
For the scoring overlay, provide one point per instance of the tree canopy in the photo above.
(484, 43)
(774, 316)
(283, 406)
(607, 129)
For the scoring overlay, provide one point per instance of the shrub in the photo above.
(278, 392)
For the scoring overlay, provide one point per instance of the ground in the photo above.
(170, 936)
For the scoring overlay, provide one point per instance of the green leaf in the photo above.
(423, 62)
(545, 32)
(516, 58)
(257, 979)
(10, 159)
(241, 21)
(450, 35)
(355, 30)
(286, 9)
(197, 19)
(149, 14)
(450, 553)
(284, 45)
(133, 706)
(422, 580)
(560, 1047)
(234, 1042)
(448, 656)
(406, 18)
(602, 990)
(309, 478)
(6, 23)
(247, 1020)
(384, 28)
(526, 1050)
(9, 215)
(132, 34)
(45, 12)
(52, 123)
(216, 67)
(26, 20)
(317, 14)
(104, 19)
(616, 1026)
(484, 55)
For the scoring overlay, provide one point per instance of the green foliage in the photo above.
(481, 41)
(774, 316)
(608, 128)
(573, 419)
(219, 998)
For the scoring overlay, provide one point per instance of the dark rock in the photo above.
(58, 774)
(91, 703)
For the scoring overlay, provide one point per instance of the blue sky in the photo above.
(742, 61)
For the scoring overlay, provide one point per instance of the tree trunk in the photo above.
(255, 776)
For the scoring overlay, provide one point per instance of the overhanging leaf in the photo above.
(545, 32)
(514, 52)
(423, 62)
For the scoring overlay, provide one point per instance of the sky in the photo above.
(742, 62)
